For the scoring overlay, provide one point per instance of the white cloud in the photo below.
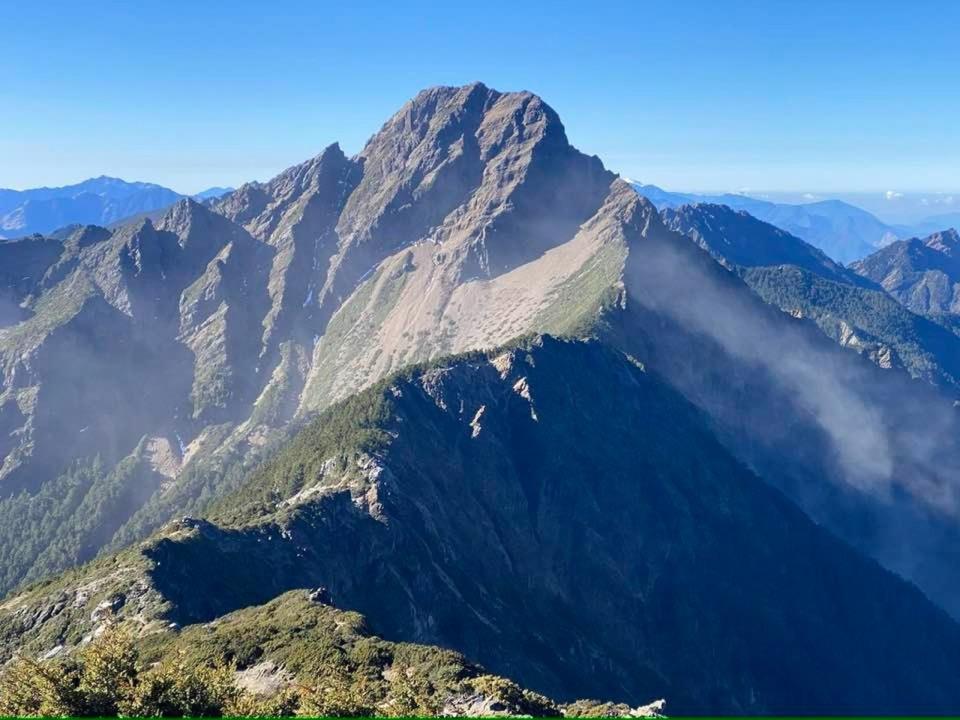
(892, 195)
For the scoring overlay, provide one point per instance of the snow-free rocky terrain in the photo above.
(733, 375)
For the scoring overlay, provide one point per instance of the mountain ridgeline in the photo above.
(704, 501)
(585, 539)
(101, 201)
(843, 231)
(924, 275)
(799, 279)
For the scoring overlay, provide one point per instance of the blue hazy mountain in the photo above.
(97, 201)
(932, 225)
(841, 230)
(212, 193)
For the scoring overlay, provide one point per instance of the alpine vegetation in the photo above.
(464, 424)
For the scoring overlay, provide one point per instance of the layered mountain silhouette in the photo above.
(586, 538)
(802, 281)
(934, 224)
(841, 230)
(688, 494)
(212, 193)
(100, 201)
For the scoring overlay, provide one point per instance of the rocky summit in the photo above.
(704, 462)
(924, 274)
(208, 332)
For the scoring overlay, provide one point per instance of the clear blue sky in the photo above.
(823, 96)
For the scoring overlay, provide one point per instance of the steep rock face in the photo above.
(466, 221)
(22, 267)
(470, 180)
(144, 268)
(471, 164)
(219, 314)
(296, 213)
(417, 304)
(924, 275)
(606, 551)
(75, 240)
(230, 309)
(116, 316)
(107, 357)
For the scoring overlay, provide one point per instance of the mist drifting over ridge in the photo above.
(248, 359)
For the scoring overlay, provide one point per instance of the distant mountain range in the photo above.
(936, 224)
(212, 193)
(97, 201)
(843, 231)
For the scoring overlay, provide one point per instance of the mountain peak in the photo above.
(445, 112)
(307, 172)
(200, 231)
(444, 92)
(628, 205)
(182, 213)
(212, 193)
(922, 273)
(198, 342)
(113, 186)
(427, 114)
(945, 241)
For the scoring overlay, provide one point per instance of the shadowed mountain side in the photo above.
(577, 527)
(466, 221)
(799, 279)
(236, 296)
(22, 266)
(868, 453)
(735, 238)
